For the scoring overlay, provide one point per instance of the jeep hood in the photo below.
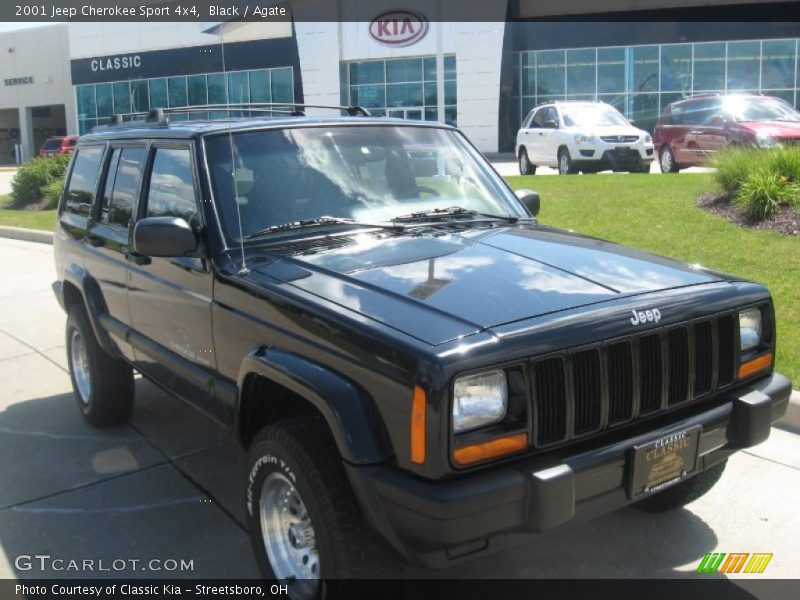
(438, 287)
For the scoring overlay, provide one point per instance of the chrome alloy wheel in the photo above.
(563, 163)
(289, 536)
(666, 161)
(80, 366)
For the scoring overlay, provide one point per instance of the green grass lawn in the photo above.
(658, 214)
(30, 219)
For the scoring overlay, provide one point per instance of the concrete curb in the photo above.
(26, 235)
(792, 416)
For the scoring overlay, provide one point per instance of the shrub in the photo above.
(763, 192)
(30, 181)
(53, 192)
(760, 180)
(732, 167)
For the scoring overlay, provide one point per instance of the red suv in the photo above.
(58, 145)
(691, 130)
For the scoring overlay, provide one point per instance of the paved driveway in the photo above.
(168, 484)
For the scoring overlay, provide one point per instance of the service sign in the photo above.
(398, 28)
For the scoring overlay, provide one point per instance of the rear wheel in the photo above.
(565, 163)
(103, 385)
(525, 166)
(682, 493)
(667, 161)
(304, 521)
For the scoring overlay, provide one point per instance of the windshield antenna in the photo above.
(243, 269)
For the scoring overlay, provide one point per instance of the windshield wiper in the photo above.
(319, 221)
(450, 212)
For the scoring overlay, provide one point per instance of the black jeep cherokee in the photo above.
(400, 346)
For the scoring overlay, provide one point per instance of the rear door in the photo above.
(170, 298)
(714, 131)
(107, 239)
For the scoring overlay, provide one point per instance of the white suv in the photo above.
(582, 136)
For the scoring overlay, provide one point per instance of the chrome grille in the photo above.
(602, 386)
(619, 139)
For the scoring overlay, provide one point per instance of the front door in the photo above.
(170, 298)
(107, 237)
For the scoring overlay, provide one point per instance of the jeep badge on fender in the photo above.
(646, 316)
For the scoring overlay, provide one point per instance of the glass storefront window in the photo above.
(676, 68)
(645, 69)
(197, 90)
(581, 71)
(238, 88)
(610, 70)
(177, 91)
(642, 80)
(122, 97)
(550, 76)
(403, 88)
(282, 85)
(777, 64)
(140, 101)
(105, 100)
(216, 88)
(158, 93)
(259, 86)
(743, 65)
(87, 107)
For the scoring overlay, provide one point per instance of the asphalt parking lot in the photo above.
(169, 484)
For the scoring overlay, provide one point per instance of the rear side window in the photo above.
(122, 186)
(52, 144)
(171, 192)
(83, 179)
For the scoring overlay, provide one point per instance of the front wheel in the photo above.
(304, 522)
(667, 161)
(565, 163)
(103, 385)
(682, 493)
(525, 166)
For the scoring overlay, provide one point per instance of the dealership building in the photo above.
(476, 64)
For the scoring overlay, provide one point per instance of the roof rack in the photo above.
(159, 117)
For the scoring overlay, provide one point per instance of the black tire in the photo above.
(301, 450)
(682, 493)
(666, 160)
(565, 166)
(525, 166)
(108, 400)
(644, 169)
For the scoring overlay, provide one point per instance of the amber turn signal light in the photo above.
(467, 455)
(418, 426)
(754, 366)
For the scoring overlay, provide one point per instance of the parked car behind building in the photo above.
(58, 145)
(690, 131)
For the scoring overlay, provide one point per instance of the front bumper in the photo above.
(609, 156)
(435, 524)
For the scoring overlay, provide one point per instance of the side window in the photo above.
(126, 179)
(83, 179)
(526, 123)
(108, 186)
(538, 118)
(550, 116)
(171, 192)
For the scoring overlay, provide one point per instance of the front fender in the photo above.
(348, 409)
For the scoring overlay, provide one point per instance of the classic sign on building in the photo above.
(398, 27)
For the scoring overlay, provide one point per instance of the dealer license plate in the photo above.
(662, 462)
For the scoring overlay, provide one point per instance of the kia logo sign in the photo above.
(398, 28)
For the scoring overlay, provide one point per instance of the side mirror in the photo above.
(718, 121)
(530, 199)
(164, 236)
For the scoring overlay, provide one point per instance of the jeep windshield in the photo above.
(324, 177)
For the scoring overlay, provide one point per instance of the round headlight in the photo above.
(749, 329)
(479, 400)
